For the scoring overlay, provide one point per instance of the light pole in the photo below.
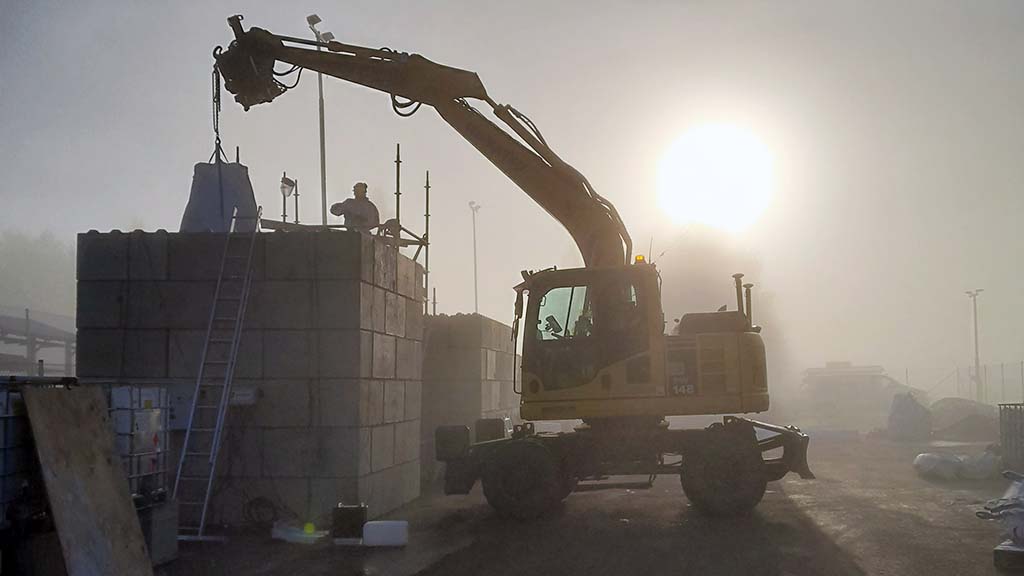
(313, 20)
(288, 188)
(979, 385)
(474, 208)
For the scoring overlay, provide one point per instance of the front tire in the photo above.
(523, 481)
(723, 475)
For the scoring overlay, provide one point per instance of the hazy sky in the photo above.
(896, 129)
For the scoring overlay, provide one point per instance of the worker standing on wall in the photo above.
(360, 213)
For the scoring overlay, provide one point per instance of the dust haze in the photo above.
(895, 130)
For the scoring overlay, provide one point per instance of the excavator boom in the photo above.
(594, 224)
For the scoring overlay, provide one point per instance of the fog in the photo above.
(895, 131)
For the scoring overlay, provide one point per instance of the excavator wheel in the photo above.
(724, 474)
(523, 480)
(567, 484)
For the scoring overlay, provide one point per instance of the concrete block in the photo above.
(504, 338)
(504, 365)
(250, 355)
(289, 255)
(394, 314)
(241, 452)
(410, 481)
(338, 402)
(405, 283)
(145, 353)
(99, 352)
(371, 402)
(383, 356)
(195, 256)
(420, 294)
(338, 254)
(289, 353)
(379, 308)
(491, 370)
(281, 305)
(382, 491)
(382, 447)
(147, 255)
(350, 402)
(385, 263)
(102, 256)
(451, 402)
(466, 364)
(283, 404)
(413, 319)
(366, 252)
(495, 395)
(292, 495)
(509, 398)
(186, 346)
(289, 452)
(408, 361)
(413, 399)
(407, 441)
(466, 331)
(394, 400)
(339, 304)
(366, 294)
(327, 493)
(154, 304)
(101, 304)
(342, 452)
(341, 354)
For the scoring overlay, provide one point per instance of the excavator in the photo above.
(594, 345)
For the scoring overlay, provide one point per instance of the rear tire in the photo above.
(523, 480)
(724, 474)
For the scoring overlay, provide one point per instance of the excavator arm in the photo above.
(248, 70)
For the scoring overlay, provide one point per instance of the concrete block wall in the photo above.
(468, 365)
(331, 351)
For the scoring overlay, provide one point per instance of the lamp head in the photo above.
(287, 186)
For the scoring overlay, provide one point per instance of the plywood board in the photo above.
(98, 528)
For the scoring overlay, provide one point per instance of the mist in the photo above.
(894, 130)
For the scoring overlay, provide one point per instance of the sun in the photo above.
(719, 175)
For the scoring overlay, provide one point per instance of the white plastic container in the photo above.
(386, 533)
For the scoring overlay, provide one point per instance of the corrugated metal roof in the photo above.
(15, 326)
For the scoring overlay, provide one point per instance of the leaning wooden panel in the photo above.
(98, 528)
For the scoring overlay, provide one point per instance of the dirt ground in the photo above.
(867, 513)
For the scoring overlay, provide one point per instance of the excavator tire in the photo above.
(567, 484)
(523, 480)
(724, 474)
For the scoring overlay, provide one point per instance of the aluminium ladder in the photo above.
(193, 484)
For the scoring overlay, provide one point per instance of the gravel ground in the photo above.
(867, 513)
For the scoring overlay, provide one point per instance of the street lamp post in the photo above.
(474, 208)
(289, 186)
(979, 392)
(313, 20)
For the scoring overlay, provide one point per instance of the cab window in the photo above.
(564, 313)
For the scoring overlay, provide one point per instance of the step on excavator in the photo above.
(594, 344)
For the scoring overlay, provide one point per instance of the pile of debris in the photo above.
(950, 419)
(959, 419)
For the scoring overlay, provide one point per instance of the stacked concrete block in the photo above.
(329, 362)
(468, 368)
